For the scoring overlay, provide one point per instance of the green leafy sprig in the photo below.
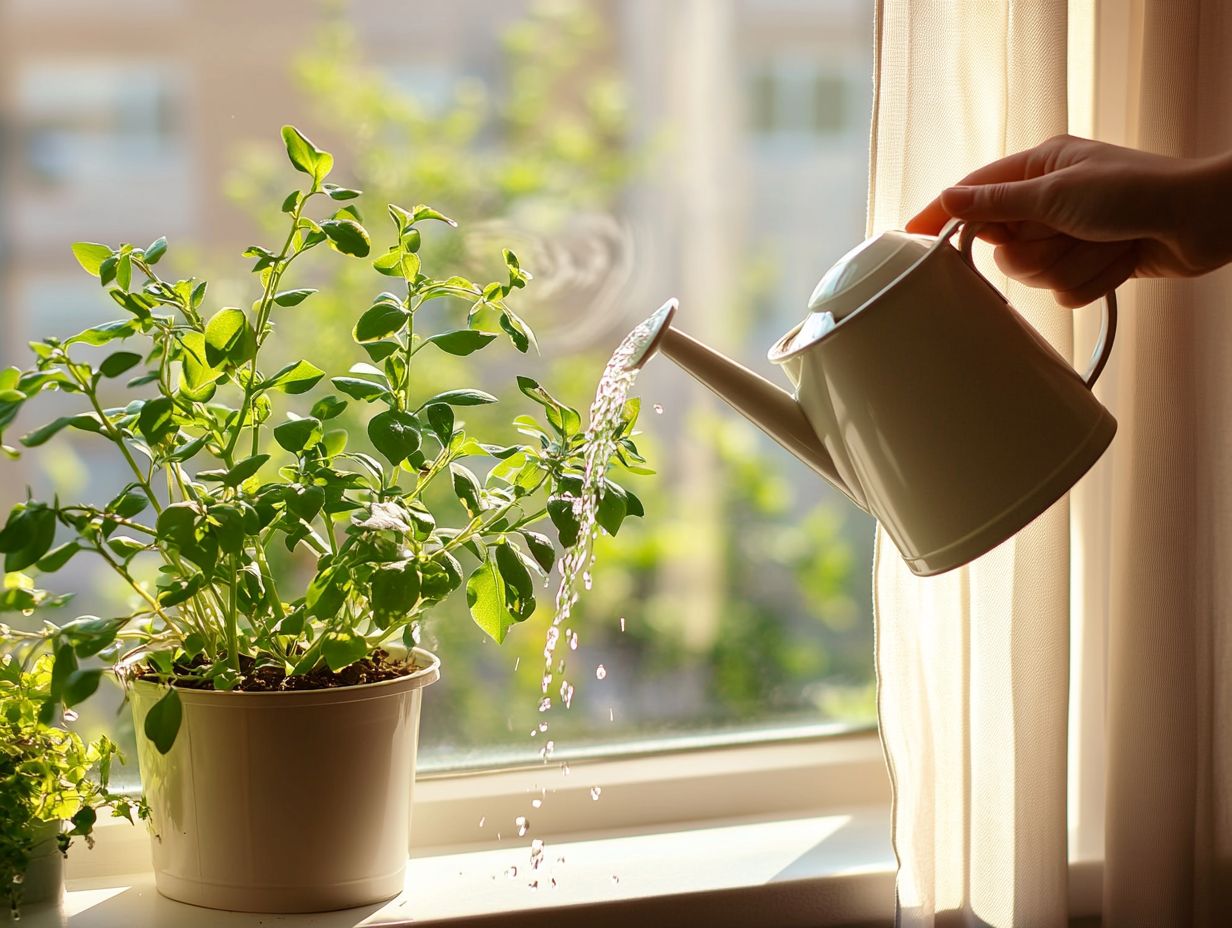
(217, 478)
(47, 775)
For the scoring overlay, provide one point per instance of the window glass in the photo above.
(618, 147)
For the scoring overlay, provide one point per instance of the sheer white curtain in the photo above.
(993, 793)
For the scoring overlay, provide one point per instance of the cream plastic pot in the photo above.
(285, 802)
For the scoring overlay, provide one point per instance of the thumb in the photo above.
(1005, 202)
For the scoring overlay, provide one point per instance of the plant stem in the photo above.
(114, 434)
(233, 622)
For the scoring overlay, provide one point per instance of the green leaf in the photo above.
(58, 557)
(296, 378)
(541, 549)
(305, 156)
(379, 351)
(156, 250)
(328, 407)
(306, 502)
(390, 263)
(462, 398)
(466, 487)
(292, 297)
(560, 511)
(91, 255)
(485, 596)
(427, 212)
(395, 590)
(237, 474)
(162, 722)
(298, 434)
(85, 421)
(106, 332)
(116, 364)
(613, 506)
(462, 342)
(380, 320)
(519, 587)
(334, 192)
(441, 419)
(155, 421)
(124, 271)
(228, 338)
(27, 536)
(518, 331)
(347, 236)
(129, 503)
(342, 649)
(395, 434)
(125, 548)
(89, 634)
(360, 389)
(198, 372)
(80, 685)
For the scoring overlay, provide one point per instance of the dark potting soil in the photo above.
(268, 677)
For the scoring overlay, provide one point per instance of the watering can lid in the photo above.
(866, 270)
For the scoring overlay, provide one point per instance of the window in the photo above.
(740, 606)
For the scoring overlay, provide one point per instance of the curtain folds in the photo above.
(974, 666)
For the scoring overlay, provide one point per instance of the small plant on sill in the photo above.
(48, 775)
(217, 478)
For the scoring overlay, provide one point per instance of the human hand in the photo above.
(1080, 217)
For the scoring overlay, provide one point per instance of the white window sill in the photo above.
(820, 870)
(788, 833)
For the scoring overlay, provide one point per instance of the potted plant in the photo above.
(52, 784)
(279, 722)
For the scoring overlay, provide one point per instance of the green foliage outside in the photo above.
(548, 140)
(47, 774)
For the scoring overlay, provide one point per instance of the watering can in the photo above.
(921, 394)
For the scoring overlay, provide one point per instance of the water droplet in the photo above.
(545, 683)
(553, 882)
(595, 792)
(564, 768)
(615, 878)
(622, 623)
(416, 632)
(533, 884)
(512, 873)
(482, 819)
(19, 878)
(600, 672)
(560, 860)
(566, 693)
(611, 714)
(516, 663)
(546, 751)
(543, 726)
(573, 640)
(536, 803)
(523, 824)
(658, 409)
(70, 716)
(586, 579)
(545, 704)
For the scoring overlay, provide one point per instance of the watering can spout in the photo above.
(772, 409)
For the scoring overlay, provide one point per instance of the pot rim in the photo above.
(422, 677)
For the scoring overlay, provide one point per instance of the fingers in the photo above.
(1015, 167)
(1058, 263)
(1111, 277)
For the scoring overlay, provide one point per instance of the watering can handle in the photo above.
(1107, 331)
